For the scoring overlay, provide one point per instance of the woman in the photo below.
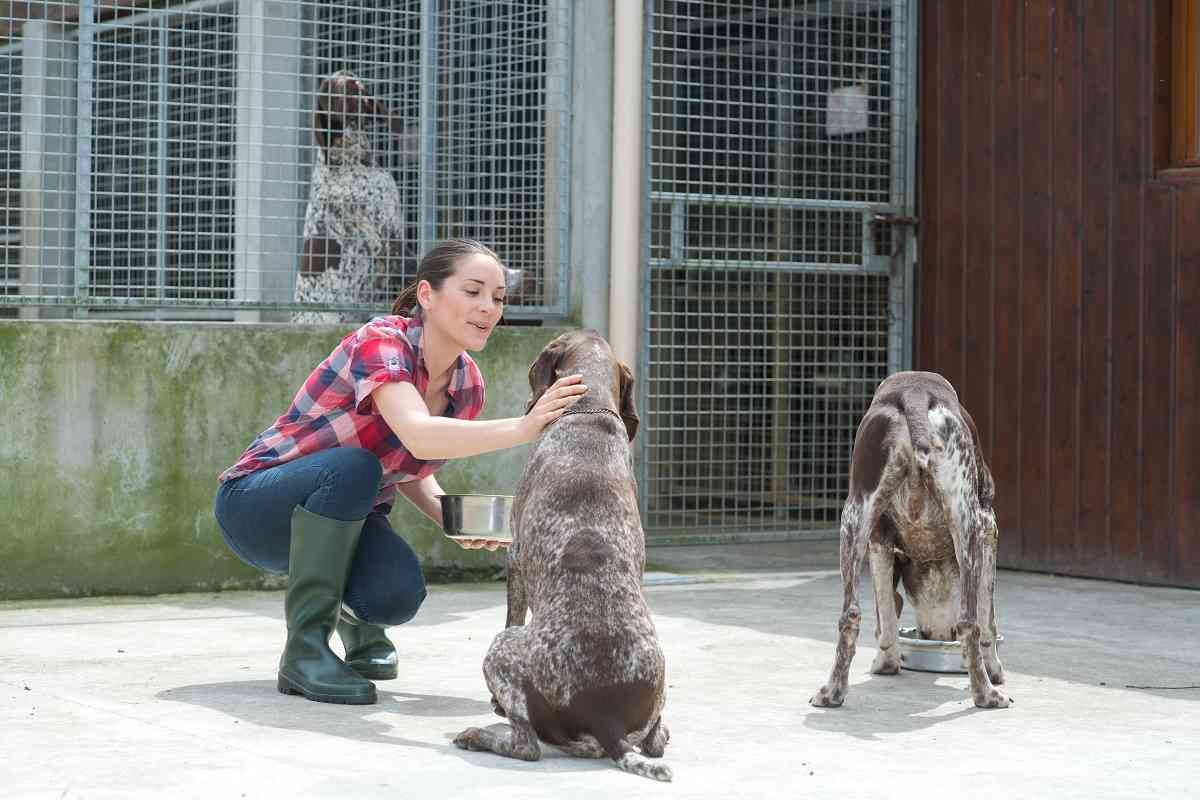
(310, 496)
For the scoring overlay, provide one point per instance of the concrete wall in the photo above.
(112, 434)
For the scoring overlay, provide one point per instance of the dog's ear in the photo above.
(321, 121)
(628, 412)
(543, 372)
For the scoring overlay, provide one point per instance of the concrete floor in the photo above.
(174, 696)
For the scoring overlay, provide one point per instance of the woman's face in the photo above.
(469, 304)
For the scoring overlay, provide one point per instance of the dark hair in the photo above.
(439, 264)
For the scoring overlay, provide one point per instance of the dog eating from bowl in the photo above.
(920, 508)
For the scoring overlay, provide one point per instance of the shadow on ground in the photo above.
(258, 703)
(1110, 635)
(886, 706)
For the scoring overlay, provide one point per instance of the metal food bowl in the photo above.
(930, 655)
(477, 516)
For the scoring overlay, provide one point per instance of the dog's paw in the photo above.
(993, 698)
(886, 663)
(469, 739)
(828, 698)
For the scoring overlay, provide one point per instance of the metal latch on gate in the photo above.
(885, 222)
(888, 231)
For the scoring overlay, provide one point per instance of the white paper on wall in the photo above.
(846, 111)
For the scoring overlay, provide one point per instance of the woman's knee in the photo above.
(399, 606)
(348, 484)
(385, 586)
(254, 537)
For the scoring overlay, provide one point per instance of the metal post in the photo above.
(591, 162)
(161, 238)
(247, 250)
(556, 241)
(910, 178)
(83, 155)
(643, 271)
(898, 320)
(427, 178)
(781, 326)
(629, 121)
(678, 232)
(47, 103)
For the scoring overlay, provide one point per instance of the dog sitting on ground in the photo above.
(920, 504)
(587, 673)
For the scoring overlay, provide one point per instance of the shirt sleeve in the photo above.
(376, 361)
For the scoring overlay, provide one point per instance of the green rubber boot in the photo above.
(319, 560)
(368, 650)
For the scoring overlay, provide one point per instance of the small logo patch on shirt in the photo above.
(393, 364)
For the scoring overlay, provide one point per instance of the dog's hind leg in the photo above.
(880, 462)
(973, 547)
(989, 638)
(853, 549)
(974, 598)
(883, 562)
(504, 670)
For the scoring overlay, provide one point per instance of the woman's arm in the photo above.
(431, 438)
(424, 495)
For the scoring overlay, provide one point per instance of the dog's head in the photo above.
(585, 352)
(344, 107)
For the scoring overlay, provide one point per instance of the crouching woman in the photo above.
(389, 406)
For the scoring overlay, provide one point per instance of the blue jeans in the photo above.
(385, 585)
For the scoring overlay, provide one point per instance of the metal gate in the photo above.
(779, 160)
(156, 158)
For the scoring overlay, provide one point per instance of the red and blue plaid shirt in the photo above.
(334, 407)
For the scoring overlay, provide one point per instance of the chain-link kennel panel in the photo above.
(778, 147)
(203, 158)
(10, 173)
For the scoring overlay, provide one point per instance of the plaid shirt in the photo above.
(334, 407)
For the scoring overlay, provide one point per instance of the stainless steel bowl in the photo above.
(476, 516)
(930, 655)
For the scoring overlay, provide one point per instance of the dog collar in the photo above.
(593, 411)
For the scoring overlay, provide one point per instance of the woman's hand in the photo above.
(562, 394)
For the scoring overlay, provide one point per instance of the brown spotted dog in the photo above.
(587, 673)
(920, 504)
(354, 234)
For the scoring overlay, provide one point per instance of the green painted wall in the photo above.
(112, 435)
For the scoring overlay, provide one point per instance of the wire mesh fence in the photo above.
(221, 156)
(778, 149)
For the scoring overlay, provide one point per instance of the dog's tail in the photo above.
(611, 735)
(915, 403)
(638, 764)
